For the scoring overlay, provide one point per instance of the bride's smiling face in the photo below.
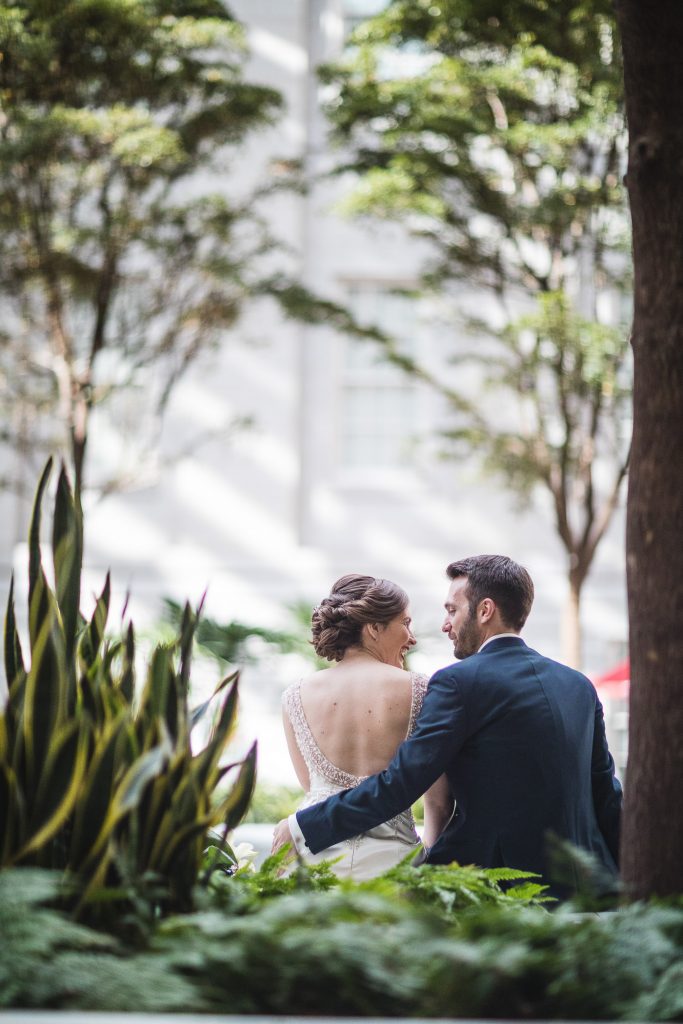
(395, 638)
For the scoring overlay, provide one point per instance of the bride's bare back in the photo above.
(358, 714)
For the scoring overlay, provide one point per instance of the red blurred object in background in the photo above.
(615, 683)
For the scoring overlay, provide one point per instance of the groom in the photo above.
(521, 739)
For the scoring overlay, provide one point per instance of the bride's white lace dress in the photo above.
(382, 847)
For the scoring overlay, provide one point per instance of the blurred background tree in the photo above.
(499, 138)
(123, 253)
(115, 256)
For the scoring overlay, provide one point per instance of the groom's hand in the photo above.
(281, 835)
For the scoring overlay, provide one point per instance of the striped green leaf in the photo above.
(45, 695)
(127, 681)
(198, 713)
(233, 808)
(14, 658)
(128, 794)
(67, 553)
(93, 635)
(12, 813)
(93, 804)
(61, 781)
(206, 762)
(37, 585)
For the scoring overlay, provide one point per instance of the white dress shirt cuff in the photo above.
(297, 835)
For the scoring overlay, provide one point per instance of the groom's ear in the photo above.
(486, 609)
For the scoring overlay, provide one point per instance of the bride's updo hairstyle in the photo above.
(354, 601)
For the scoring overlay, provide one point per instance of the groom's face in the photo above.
(461, 622)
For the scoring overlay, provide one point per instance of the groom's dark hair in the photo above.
(501, 579)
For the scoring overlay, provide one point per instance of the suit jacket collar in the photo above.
(498, 643)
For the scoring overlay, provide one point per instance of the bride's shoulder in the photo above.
(305, 683)
(409, 679)
(291, 693)
(419, 682)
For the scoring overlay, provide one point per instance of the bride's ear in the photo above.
(373, 630)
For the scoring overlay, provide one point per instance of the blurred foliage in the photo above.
(96, 780)
(309, 945)
(271, 803)
(124, 252)
(230, 643)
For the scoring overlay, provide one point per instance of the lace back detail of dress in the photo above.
(311, 752)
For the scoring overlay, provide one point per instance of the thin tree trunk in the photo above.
(571, 625)
(79, 441)
(652, 842)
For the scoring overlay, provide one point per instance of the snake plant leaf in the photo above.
(231, 811)
(12, 813)
(155, 696)
(13, 711)
(220, 734)
(89, 698)
(128, 792)
(36, 576)
(93, 635)
(188, 628)
(127, 680)
(173, 714)
(198, 713)
(228, 812)
(181, 838)
(62, 778)
(128, 748)
(45, 695)
(14, 658)
(67, 553)
(97, 791)
(155, 815)
(5, 753)
(6, 792)
(173, 824)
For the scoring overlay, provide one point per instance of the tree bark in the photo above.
(571, 625)
(652, 842)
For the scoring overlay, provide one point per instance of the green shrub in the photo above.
(270, 803)
(92, 781)
(330, 948)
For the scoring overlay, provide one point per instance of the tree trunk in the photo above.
(571, 624)
(79, 440)
(652, 843)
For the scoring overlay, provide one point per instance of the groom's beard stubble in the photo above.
(467, 640)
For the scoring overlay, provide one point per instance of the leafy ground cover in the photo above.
(428, 942)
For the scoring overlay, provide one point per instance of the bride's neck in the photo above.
(356, 655)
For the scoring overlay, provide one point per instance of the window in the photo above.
(379, 402)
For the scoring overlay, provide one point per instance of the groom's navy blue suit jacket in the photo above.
(522, 741)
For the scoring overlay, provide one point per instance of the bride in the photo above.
(347, 721)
